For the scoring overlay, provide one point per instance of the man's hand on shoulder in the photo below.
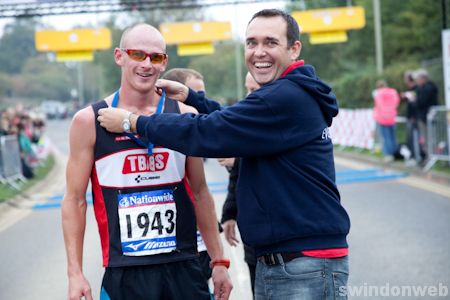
(112, 118)
(174, 90)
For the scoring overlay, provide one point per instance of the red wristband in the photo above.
(220, 262)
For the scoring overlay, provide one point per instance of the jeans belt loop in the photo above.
(269, 259)
(279, 258)
(272, 259)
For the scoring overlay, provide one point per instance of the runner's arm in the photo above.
(207, 224)
(204, 208)
(73, 208)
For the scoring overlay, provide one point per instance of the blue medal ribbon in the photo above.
(159, 109)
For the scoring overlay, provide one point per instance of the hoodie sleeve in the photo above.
(248, 128)
(276, 118)
(201, 103)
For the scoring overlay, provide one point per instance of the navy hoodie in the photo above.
(286, 195)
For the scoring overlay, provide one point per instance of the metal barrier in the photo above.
(438, 131)
(10, 164)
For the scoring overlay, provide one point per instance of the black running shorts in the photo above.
(181, 280)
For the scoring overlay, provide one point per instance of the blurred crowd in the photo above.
(420, 95)
(28, 127)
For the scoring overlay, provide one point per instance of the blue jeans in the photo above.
(389, 140)
(305, 278)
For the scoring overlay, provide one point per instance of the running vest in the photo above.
(142, 203)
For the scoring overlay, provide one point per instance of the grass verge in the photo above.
(7, 192)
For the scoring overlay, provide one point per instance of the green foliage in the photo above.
(314, 4)
(353, 90)
(5, 84)
(411, 35)
(410, 31)
(219, 71)
(411, 26)
(36, 81)
(17, 44)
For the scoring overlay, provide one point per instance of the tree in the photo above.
(219, 71)
(410, 34)
(5, 84)
(17, 45)
(41, 80)
(410, 28)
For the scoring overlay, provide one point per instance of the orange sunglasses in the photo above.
(139, 55)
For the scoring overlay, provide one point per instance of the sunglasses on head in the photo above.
(139, 55)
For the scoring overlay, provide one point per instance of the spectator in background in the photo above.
(427, 96)
(412, 129)
(27, 156)
(229, 209)
(38, 130)
(20, 121)
(189, 77)
(386, 101)
(194, 80)
(27, 123)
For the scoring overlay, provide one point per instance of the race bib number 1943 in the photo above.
(147, 222)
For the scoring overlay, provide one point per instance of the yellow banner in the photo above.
(328, 37)
(75, 56)
(195, 49)
(73, 40)
(330, 19)
(195, 32)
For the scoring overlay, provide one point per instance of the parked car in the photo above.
(54, 109)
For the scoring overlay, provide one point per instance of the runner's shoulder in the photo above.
(186, 108)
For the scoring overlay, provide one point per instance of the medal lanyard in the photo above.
(159, 109)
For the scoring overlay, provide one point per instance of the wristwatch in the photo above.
(126, 124)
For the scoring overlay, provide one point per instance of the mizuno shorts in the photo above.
(171, 281)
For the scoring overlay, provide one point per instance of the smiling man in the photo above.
(288, 204)
(146, 199)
